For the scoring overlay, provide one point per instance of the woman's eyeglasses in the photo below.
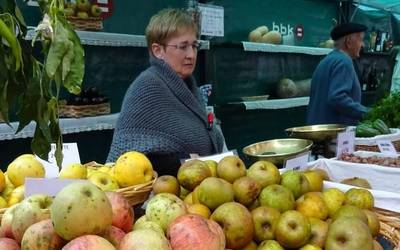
(185, 46)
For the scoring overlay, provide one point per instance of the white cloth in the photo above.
(396, 75)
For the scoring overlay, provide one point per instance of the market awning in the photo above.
(388, 5)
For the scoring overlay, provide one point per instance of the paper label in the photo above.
(298, 162)
(46, 186)
(212, 20)
(70, 155)
(345, 143)
(386, 147)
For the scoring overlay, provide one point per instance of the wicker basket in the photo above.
(76, 111)
(390, 226)
(375, 148)
(91, 23)
(138, 194)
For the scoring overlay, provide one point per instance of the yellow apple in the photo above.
(73, 171)
(199, 209)
(334, 199)
(312, 204)
(315, 180)
(16, 196)
(8, 188)
(104, 181)
(24, 166)
(212, 165)
(133, 168)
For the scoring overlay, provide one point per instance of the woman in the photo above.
(163, 114)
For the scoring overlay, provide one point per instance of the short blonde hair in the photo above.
(168, 23)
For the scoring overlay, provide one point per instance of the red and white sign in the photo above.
(299, 32)
(106, 7)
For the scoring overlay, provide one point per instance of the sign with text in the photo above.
(345, 143)
(70, 155)
(212, 20)
(46, 186)
(298, 162)
(386, 147)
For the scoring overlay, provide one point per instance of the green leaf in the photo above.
(40, 145)
(58, 48)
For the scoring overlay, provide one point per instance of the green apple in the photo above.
(265, 219)
(82, 15)
(293, 229)
(212, 165)
(349, 233)
(95, 10)
(351, 211)
(246, 190)
(265, 173)
(334, 199)
(104, 181)
(278, 197)
(296, 182)
(231, 168)
(192, 173)
(214, 192)
(143, 222)
(236, 222)
(83, 5)
(373, 222)
(270, 245)
(359, 197)
(319, 230)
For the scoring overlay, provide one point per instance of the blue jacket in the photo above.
(335, 92)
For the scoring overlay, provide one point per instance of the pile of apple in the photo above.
(130, 169)
(81, 216)
(212, 205)
(82, 9)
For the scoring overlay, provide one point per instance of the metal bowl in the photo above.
(276, 151)
(316, 133)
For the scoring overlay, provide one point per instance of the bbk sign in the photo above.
(289, 30)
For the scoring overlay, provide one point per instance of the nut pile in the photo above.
(382, 161)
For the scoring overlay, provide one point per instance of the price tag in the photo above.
(298, 162)
(345, 143)
(70, 155)
(386, 147)
(46, 186)
(212, 20)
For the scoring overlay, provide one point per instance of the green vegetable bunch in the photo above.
(30, 86)
(388, 110)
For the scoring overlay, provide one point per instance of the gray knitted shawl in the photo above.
(162, 113)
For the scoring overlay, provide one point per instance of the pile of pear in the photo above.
(261, 208)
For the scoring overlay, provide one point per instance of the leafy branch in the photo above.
(32, 87)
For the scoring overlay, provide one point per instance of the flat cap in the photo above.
(347, 29)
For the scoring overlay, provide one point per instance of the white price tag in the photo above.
(298, 162)
(386, 147)
(212, 20)
(345, 143)
(46, 186)
(70, 155)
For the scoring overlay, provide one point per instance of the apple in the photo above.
(315, 179)
(164, 208)
(143, 222)
(212, 165)
(265, 173)
(73, 171)
(122, 213)
(373, 222)
(144, 239)
(89, 242)
(95, 10)
(254, 205)
(83, 5)
(8, 244)
(312, 204)
(114, 235)
(199, 209)
(189, 199)
(41, 236)
(293, 229)
(319, 230)
(265, 219)
(104, 181)
(16, 195)
(349, 233)
(270, 245)
(167, 184)
(236, 222)
(358, 182)
(80, 208)
(230, 168)
(31, 210)
(246, 190)
(214, 192)
(278, 197)
(251, 246)
(6, 221)
(334, 199)
(359, 197)
(351, 211)
(24, 166)
(82, 15)
(296, 182)
(69, 12)
(183, 193)
(192, 173)
(310, 247)
(133, 168)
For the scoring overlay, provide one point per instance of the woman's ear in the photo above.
(157, 50)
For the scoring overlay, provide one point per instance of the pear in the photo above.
(358, 182)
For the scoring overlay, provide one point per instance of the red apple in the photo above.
(114, 235)
(41, 236)
(89, 242)
(123, 215)
(6, 221)
(8, 244)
